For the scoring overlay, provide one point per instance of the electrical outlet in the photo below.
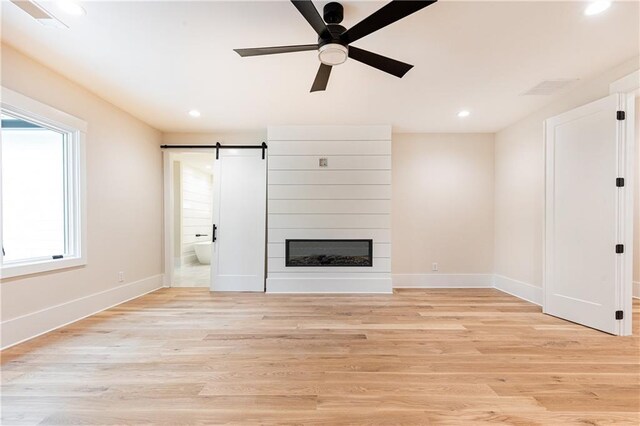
(434, 267)
(120, 277)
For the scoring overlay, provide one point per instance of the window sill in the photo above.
(11, 271)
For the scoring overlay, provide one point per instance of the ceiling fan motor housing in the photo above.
(335, 31)
(333, 13)
(333, 51)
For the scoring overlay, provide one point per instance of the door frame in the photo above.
(168, 156)
(629, 87)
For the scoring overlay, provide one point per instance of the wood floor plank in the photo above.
(453, 357)
(350, 417)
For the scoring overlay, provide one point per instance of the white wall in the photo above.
(124, 207)
(234, 138)
(519, 186)
(444, 165)
(351, 198)
(443, 187)
(197, 209)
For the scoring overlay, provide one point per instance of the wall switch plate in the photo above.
(120, 277)
(323, 162)
(434, 267)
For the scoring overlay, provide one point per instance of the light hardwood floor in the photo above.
(185, 356)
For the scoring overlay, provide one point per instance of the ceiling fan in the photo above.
(334, 40)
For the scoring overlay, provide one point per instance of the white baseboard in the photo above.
(516, 288)
(188, 285)
(442, 280)
(520, 289)
(25, 327)
(636, 289)
(324, 285)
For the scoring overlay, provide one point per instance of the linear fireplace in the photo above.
(328, 253)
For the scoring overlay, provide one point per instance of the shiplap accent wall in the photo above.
(197, 193)
(351, 198)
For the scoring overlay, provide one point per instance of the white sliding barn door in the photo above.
(587, 216)
(239, 217)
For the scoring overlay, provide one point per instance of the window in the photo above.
(42, 208)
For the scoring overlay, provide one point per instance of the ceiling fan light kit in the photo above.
(334, 40)
(333, 54)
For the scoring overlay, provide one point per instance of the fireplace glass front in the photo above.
(329, 253)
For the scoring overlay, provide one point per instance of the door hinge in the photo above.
(619, 315)
(619, 182)
(620, 115)
(619, 248)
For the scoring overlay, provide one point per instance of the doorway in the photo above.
(215, 216)
(192, 206)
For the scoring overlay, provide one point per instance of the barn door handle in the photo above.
(213, 238)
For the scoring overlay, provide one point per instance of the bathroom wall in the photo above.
(177, 213)
(196, 202)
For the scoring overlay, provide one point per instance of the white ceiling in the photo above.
(157, 60)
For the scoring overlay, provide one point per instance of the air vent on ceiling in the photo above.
(39, 13)
(550, 87)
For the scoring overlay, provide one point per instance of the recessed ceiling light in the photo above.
(71, 8)
(194, 113)
(463, 113)
(597, 7)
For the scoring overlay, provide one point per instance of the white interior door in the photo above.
(239, 217)
(585, 280)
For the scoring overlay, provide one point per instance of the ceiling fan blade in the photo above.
(384, 16)
(256, 51)
(391, 66)
(310, 13)
(322, 78)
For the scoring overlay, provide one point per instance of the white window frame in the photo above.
(75, 130)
